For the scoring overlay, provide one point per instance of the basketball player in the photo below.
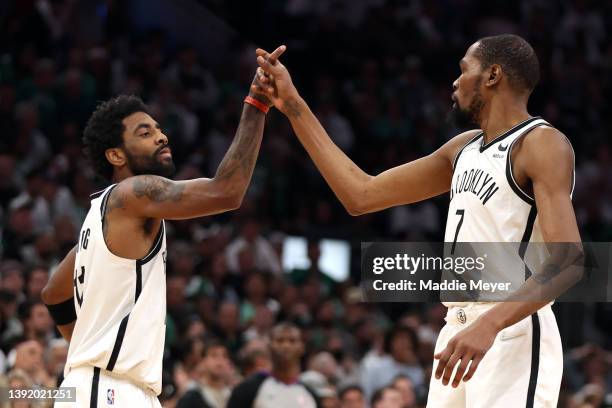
(117, 341)
(530, 165)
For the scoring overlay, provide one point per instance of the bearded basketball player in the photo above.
(528, 167)
(113, 282)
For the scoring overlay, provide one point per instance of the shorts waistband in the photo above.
(121, 377)
(467, 314)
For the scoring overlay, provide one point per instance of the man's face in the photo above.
(29, 356)
(286, 345)
(467, 91)
(216, 361)
(40, 320)
(353, 399)
(146, 146)
(391, 399)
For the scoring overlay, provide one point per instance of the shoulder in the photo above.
(251, 383)
(451, 149)
(148, 187)
(545, 145)
(545, 150)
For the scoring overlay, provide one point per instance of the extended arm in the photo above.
(151, 196)
(59, 289)
(358, 191)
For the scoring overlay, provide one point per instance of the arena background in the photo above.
(378, 75)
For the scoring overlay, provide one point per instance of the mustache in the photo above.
(158, 151)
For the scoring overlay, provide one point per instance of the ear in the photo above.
(115, 156)
(495, 75)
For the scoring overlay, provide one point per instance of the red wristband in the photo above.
(258, 104)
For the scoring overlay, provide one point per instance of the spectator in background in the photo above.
(401, 348)
(280, 388)
(211, 386)
(404, 385)
(300, 277)
(387, 397)
(55, 359)
(254, 359)
(28, 357)
(265, 258)
(352, 396)
(38, 323)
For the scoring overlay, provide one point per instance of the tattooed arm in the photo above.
(157, 197)
(152, 196)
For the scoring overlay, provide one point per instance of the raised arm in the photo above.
(152, 196)
(358, 191)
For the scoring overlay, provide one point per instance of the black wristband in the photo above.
(63, 313)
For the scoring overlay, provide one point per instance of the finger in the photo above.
(473, 366)
(465, 360)
(267, 67)
(450, 366)
(443, 359)
(261, 90)
(276, 53)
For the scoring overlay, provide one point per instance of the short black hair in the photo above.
(348, 388)
(516, 57)
(105, 128)
(213, 343)
(400, 331)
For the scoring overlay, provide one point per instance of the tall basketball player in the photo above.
(530, 164)
(117, 269)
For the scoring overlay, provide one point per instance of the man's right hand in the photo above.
(275, 82)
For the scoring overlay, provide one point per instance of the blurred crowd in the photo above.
(378, 75)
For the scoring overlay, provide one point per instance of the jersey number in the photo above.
(81, 280)
(460, 213)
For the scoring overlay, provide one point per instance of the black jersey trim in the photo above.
(156, 246)
(118, 342)
(507, 133)
(510, 176)
(105, 201)
(464, 146)
(95, 380)
(535, 360)
(97, 194)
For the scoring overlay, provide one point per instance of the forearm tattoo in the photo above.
(240, 158)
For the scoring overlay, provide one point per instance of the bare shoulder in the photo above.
(545, 146)
(545, 150)
(451, 148)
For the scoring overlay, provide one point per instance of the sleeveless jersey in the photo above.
(120, 305)
(486, 203)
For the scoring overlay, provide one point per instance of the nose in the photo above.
(455, 84)
(162, 139)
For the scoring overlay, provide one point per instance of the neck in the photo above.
(502, 114)
(288, 374)
(212, 381)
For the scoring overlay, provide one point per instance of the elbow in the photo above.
(355, 209)
(45, 295)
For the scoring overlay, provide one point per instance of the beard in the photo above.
(141, 164)
(467, 118)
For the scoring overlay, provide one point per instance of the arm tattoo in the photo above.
(293, 108)
(157, 189)
(239, 160)
(115, 201)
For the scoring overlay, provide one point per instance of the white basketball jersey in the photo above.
(486, 203)
(120, 305)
